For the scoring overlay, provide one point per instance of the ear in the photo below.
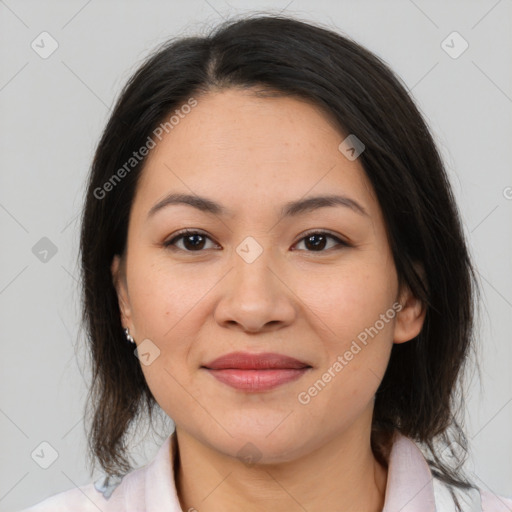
(409, 320)
(119, 280)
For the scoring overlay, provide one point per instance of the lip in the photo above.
(256, 372)
(248, 361)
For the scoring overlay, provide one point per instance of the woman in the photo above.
(272, 255)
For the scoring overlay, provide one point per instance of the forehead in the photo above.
(251, 152)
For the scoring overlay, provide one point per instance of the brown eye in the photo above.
(192, 241)
(318, 240)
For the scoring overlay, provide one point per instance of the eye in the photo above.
(193, 241)
(196, 241)
(316, 241)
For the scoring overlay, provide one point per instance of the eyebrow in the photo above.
(290, 209)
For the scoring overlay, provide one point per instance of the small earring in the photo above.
(128, 335)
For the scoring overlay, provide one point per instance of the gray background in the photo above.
(53, 111)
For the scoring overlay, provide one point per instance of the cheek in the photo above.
(354, 319)
(356, 345)
(162, 296)
(348, 300)
(166, 305)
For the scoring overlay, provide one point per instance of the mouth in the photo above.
(256, 372)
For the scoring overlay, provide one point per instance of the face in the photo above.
(315, 282)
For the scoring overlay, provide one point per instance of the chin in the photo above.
(258, 443)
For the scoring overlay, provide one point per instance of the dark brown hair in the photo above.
(419, 394)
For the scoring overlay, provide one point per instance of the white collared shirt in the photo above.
(151, 488)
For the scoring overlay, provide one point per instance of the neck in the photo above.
(342, 475)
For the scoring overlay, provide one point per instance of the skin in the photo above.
(252, 155)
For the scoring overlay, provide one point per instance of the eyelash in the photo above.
(170, 244)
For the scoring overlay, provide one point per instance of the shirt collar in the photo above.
(161, 492)
(409, 485)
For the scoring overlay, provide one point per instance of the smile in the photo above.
(256, 372)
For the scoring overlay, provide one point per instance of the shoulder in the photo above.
(105, 494)
(475, 499)
(149, 487)
(494, 503)
(81, 499)
(412, 486)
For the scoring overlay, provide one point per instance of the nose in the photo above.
(255, 295)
